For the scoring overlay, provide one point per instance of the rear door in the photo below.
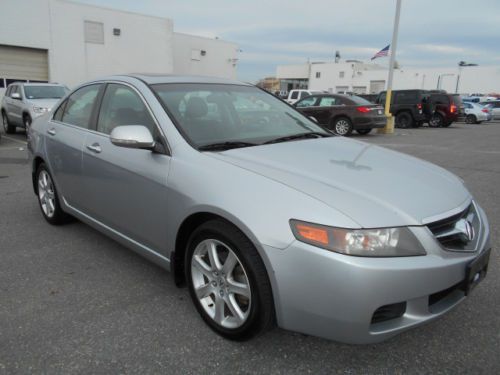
(66, 134)
(126, 188)
(328, 107)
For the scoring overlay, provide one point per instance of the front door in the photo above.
(126, 189)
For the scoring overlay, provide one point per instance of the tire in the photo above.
(48, 198)
(436, 120)
(7, 126)
(471, 119)
(404, 120)
(27, 122)
(250, 310)
(363, 131)
(342, 126)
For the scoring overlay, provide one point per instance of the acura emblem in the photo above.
(465, 230)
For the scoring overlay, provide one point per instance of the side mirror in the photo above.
(15, 95)
(132, 136)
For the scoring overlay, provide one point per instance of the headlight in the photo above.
(379, 242)
(39, 109)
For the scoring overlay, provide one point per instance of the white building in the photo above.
(369, 78)
(68, 42)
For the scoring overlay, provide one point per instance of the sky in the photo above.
(276, 32)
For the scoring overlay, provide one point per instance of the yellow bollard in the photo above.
(389, 126)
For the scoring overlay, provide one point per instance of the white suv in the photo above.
(23, 102)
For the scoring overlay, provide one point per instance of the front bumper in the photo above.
(335, 296)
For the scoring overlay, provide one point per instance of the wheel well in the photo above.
(36, 162)
(26, 114)
(187, 227)
(336, 117)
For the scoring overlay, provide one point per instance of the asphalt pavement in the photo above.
(73, 301)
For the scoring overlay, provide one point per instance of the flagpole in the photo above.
(389, 127)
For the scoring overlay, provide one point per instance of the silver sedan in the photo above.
(266, 216)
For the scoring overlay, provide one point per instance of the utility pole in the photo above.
(389, 127)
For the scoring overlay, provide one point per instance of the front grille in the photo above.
(451, 235)
(389, 312)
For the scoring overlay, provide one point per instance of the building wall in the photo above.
(360, 76)
(204, 56)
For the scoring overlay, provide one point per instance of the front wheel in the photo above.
(228, 282)
(363, 131)
(342, 126)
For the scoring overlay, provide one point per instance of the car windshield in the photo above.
(44, 92)
(215, 114)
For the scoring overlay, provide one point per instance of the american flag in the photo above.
(382, 52)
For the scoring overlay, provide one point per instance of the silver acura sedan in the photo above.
(265, 215)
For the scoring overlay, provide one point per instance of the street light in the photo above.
(461, 64)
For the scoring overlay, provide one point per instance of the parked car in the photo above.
(264, 214)
(476, 113)
(494, 107)
(444, 109)
(23, 102)
(343, 113)
(296, 95)
(407, 106)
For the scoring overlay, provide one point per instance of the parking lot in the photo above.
(74, 301)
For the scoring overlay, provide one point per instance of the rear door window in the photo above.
(328, 102)
(405, 97)
(80, 105)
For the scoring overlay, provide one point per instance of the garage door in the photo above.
(19, 63)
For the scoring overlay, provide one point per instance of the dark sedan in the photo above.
(343, 113)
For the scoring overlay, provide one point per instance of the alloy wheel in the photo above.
(342, 127)
(46, 193)
(221, 283)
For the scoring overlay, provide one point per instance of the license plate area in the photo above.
(476, 271)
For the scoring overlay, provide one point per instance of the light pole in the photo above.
(389, 127)
(461, 64)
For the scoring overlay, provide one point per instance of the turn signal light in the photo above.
(363, 109)
(312, 233)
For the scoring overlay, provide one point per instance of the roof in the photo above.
(172, 78)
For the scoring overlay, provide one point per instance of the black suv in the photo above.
(409, 107)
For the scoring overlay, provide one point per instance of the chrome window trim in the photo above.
(155, 120)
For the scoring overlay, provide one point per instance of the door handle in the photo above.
(52, 131)
(95, 147)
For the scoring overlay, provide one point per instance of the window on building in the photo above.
(195, 54)
(2, 83)
(341, 74)
(94, 32)
(318, 74)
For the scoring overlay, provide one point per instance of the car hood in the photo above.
(374, 186)
(45, 103)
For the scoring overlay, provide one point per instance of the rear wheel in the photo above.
(48, 199)
(404, 120)
(436, 120)
(363, 131)
(471, 119)
(342, 126)
(7, 127)
(228, 282)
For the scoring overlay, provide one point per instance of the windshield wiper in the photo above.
(221, 146)
(298, 136)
